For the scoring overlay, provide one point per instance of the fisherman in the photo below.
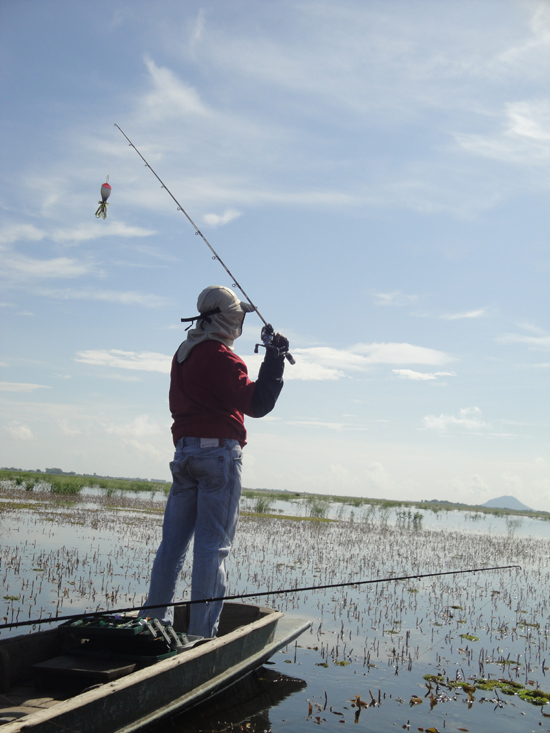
(210, 393)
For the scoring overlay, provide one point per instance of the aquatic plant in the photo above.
(317, 507)
(262, 504)
(70, 488)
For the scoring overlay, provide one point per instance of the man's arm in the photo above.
(270, 378)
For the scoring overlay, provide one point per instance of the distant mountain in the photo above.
(507, 502)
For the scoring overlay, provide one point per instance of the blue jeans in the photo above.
(204, 501)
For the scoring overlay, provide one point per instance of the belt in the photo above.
(207, 442)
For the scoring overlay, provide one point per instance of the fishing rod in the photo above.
(75, 617)
(267, 330)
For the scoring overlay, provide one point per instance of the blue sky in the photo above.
(376, 175)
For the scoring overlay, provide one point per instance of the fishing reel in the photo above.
(274, 342)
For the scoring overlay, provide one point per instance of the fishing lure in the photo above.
(105, 193)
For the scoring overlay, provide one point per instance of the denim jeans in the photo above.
(204, 501)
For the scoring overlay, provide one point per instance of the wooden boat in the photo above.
(45, 690)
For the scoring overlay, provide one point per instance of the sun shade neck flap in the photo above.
(221, 316)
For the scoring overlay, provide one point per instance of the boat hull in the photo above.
(172, 685)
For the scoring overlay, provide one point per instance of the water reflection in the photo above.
(248, 701)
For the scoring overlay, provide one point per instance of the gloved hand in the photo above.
(281, 342)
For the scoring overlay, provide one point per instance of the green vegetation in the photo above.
(535, 697)
(286, 517)
(63, 483)
(437, 679)
(69, 488)
(506, 687)
(317, 506)
(262, 504)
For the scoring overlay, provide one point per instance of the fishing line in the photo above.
(259, 594)
(198, 232)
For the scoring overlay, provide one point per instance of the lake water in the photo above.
(376, 641)
(477, 522)
(427, 518)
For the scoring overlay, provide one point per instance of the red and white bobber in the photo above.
(105, 193)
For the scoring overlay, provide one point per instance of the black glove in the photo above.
(280, 342)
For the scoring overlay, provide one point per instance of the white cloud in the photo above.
(140, 427)
(512, 483)
(471, 490)
(58, 267)
(395, 298)
(119, 377)
(400, 353)
(146, 300)
(147, 361)
(530, 120)
(480, 313)
(20, 386)
(338, 426)
(377, 478)
(146, 451)
(24, 267)
(216, 220)
(469, 418)
(93, 230)
(19, 431)
(305, 370)
(421, 376)
(69, 428)
(20, 232)
(524, 137)
(528, 58)
(535, 342)
(325, 363)
(170, 97)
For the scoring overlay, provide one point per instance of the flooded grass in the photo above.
(457, 652)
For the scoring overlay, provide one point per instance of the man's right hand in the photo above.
(281, 342)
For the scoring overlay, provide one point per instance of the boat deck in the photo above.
(25, 700)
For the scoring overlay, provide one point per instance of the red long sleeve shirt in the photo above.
(210, 393)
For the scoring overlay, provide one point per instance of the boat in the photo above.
(46, 686)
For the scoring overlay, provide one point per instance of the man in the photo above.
(210, 393)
